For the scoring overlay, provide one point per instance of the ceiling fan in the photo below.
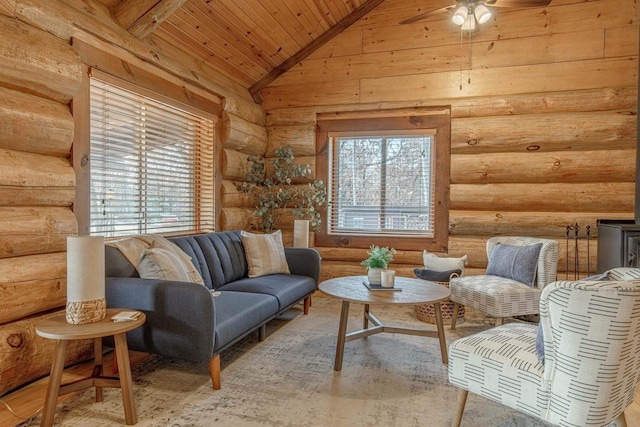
(468, 13)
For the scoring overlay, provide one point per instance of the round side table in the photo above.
(57, 328)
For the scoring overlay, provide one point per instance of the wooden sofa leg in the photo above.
(307, 303)
(262, 332)
(499, 321)
(460, 403)
(454, 319)
(214, 370)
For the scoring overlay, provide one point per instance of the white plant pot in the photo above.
(374, 276)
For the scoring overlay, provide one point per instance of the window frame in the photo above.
(153, 83)
(430, 119)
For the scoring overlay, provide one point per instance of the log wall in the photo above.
(543, 129)
(44, 48)
(40, 75)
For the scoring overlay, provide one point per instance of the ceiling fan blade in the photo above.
(425, 14)
(517, 3)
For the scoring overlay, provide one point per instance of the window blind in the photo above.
(382, 184)
(151, 165)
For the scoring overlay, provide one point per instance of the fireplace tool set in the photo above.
(573, 239)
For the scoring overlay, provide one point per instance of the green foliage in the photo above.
(379, 257)
(276, 193)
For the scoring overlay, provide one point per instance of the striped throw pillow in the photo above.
(265, 253)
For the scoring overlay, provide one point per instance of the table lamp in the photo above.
(85, 280)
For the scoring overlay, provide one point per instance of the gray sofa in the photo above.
(185, 320)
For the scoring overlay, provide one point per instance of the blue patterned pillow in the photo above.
(519, 263)
(540, 345)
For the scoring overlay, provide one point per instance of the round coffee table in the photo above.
(410, 291)
(57, 328)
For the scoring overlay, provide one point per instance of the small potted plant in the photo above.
(379, 259)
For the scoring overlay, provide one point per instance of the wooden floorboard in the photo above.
(29, 400)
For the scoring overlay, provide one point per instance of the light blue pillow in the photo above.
(519, 263)
(540, 345)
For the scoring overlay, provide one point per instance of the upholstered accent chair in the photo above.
(503, 297)
(586, 373)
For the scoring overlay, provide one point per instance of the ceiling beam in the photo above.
(141, 17)
(316, 44)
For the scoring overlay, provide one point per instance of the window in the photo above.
(151, 164)
(388, 178)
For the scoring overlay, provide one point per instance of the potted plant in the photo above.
(278, 191)
(379, 259)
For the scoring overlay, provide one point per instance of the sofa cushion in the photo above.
(495, 296)
(286, 288)
(116, 264)
(218, 256)
(225, 257)
(189, 246)
(238, 313)
(265, 253)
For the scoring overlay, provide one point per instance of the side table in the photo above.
(57, 328)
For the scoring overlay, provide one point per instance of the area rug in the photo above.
(288, 380)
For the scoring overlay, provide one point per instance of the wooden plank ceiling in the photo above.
(251, 41)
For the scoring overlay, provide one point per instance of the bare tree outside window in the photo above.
(387, 173)
(383, 184)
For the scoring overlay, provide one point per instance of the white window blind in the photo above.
(151, 165)
(382, 184)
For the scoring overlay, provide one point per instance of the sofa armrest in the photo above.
(180, 316)
(304, 262)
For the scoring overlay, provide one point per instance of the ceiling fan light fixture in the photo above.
(482, 13)
(461, 15)
(469, 23)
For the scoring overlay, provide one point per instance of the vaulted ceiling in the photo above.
(251, 41)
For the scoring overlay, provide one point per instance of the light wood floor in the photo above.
(29, 400)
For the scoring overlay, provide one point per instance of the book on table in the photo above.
(379, 287)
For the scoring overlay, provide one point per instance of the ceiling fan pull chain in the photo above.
(461, 60)
(470, 60)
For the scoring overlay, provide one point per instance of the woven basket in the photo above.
(427, 312)
(81, 312)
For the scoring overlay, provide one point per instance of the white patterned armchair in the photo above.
(591, 356)
(502, 297)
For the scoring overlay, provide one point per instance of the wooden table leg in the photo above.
(342, 335)
(366, 319)
(126, 383)
(55, 378)
(441, 337)
(98, 368)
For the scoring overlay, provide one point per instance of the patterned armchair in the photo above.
(591, 356)
(501, 297)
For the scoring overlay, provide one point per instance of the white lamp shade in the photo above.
(482, 13)
(470, 23)
(301, 233)
(460, 15)
(85, 268)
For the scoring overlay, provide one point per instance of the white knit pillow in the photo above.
(265, 253)
(434, 262)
